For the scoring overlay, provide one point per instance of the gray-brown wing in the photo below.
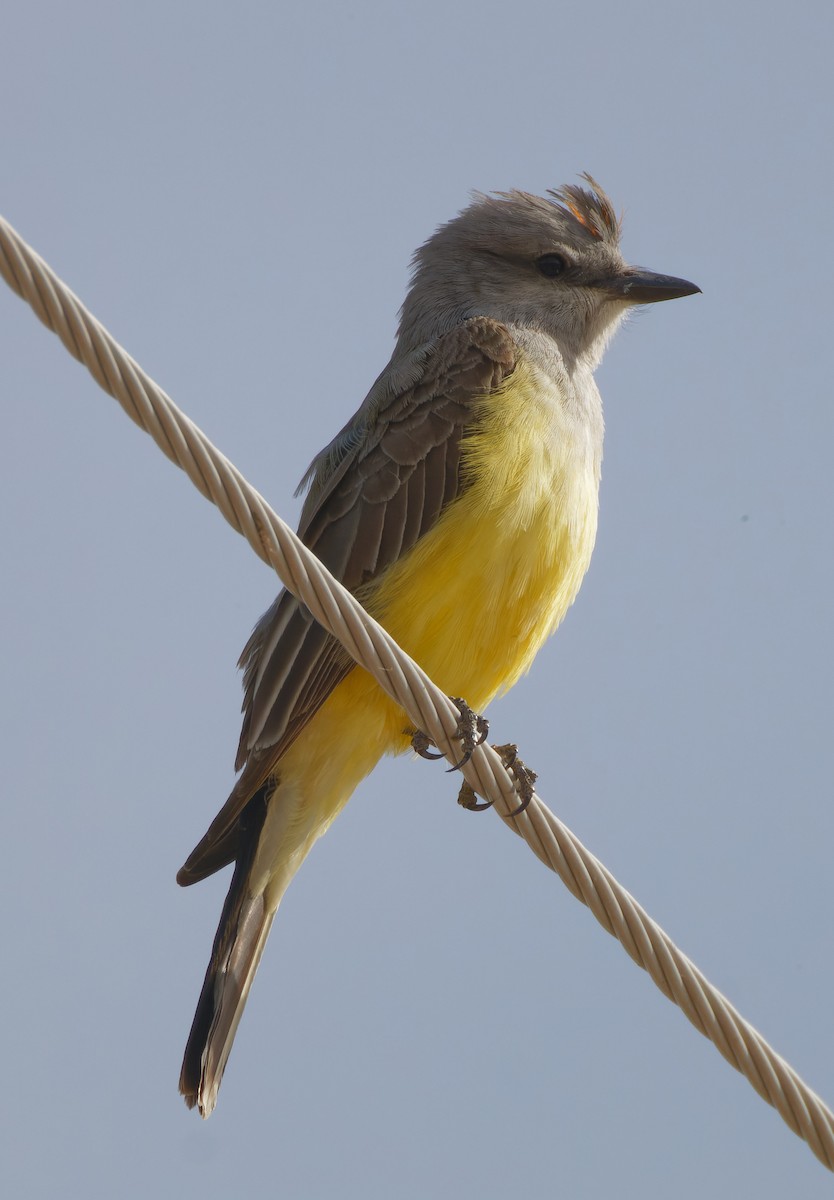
(371, 507)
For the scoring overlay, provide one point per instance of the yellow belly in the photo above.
(477, 597)
(479, 594)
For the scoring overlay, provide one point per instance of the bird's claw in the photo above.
(420, 743)
(468, 799)
(472, 729)
(524, 777)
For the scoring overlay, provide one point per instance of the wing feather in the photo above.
(380, 489)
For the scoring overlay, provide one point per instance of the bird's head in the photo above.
(551, 264)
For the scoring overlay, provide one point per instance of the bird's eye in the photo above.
(551, 265)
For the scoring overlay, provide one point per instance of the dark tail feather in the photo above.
(238, 945)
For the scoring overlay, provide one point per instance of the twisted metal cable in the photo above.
(427, 708)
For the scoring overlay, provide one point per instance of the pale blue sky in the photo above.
(236, 193)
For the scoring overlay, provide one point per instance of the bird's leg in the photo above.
(523, 776)
(472, 729)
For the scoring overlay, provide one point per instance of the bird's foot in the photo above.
(468, 799)
(523, 776)
(472, 729)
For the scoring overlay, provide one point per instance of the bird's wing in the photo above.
(372, 499)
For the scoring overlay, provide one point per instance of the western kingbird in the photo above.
(459, 504)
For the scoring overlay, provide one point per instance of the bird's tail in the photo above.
(238, 945)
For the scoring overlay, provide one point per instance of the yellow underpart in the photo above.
(472, 602)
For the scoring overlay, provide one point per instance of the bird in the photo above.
(459, 505)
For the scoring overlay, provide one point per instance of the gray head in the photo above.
(551, 264)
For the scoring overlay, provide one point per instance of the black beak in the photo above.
(645, 287)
